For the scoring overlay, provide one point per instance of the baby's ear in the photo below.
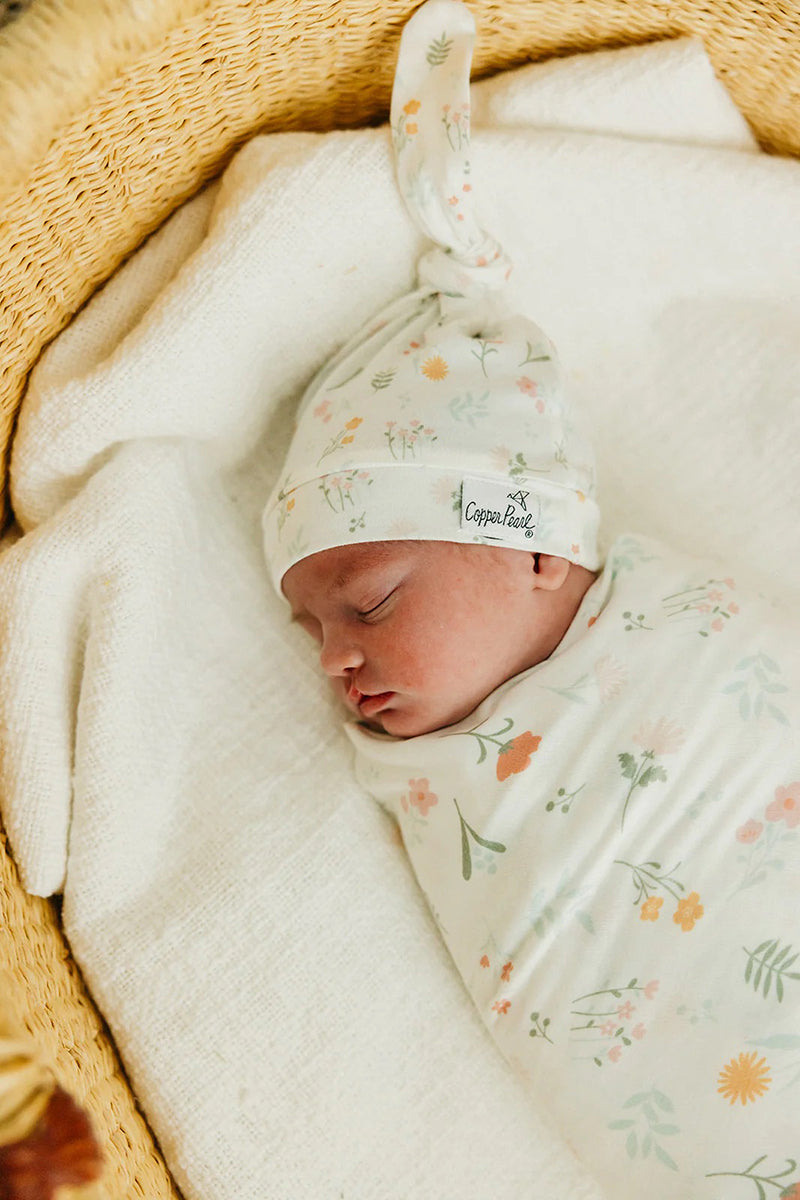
(549, 572)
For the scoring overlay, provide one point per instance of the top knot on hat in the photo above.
(446, 420)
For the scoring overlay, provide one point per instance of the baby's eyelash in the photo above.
(364, 614)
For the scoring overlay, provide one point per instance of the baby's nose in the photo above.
(339, 655)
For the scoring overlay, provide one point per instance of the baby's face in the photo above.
(413, 635)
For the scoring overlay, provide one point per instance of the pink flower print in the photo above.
(625, 1011)
(614, 1053)
(610, 676)
(608, 1028)
(661, 736)
(334, 481)
(481, 258)
(704, 608)
(715, 596)
(501, 1006)
(363, 475)
(650, 989)
(459, 216)
(575, 548)
(749, 832)
(404, 803)
(442, 491)
(527, 385)
(786, 805)
(500, 456)
(733, 607)
(323, 410)
(717, 624)
(505, 974)
(729, 582)
(638, 1031)
(421, 797)
(485, 961)
(540, 406)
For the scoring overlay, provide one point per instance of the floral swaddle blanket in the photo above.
(610, 846)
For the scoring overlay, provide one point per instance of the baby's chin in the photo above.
(414, 722)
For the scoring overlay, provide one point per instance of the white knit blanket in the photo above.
(243, 914)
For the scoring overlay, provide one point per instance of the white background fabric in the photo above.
(243, 914)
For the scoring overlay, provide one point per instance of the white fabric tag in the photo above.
(499, 509)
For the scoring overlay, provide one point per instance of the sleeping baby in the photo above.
(595, 766)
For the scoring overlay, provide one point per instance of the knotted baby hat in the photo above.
(445, 420)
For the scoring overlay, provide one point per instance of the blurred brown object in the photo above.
(46, 1140)
(60, 1150)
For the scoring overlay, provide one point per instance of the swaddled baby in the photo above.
(596, 772)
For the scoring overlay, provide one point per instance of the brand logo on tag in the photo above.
(498, 510)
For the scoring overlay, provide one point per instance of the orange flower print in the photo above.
(505, 974)
(651, 908)
(786, 805)
(749, 832)
(688, 911)
(342, 438)
(412, 128)
(485, 960)
(412, 108)
(527, 385)
(501, 1006)
(435, 368)
(792, 1192)
(744, 1078)
(515, 756)
(421, 797)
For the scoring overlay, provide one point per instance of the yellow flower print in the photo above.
(412, 108)
(688, 911)
(744, 1079)
(651, 908)
(435, 368)
(353, 423)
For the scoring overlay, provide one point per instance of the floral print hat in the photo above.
(445, 420)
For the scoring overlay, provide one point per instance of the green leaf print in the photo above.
(533, 354)
(755, 689)
(770, 964)
(468, 832)
(538, 1027)
(438, 50)
(761, 1180)
(382, 379)
(645, 1128)
(467, 408)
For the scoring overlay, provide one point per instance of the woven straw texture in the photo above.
(114, 112)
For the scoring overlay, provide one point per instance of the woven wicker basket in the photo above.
(113, 117)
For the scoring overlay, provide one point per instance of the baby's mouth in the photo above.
(367, 703)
